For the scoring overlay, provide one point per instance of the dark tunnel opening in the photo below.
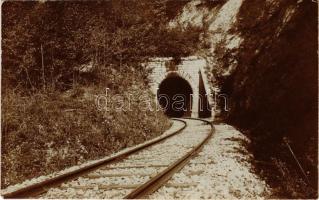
(175, 97)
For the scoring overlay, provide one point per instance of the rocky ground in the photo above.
(222, 170)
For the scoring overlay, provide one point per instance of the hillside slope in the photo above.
(263, 56)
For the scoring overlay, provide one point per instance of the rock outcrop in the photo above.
(263, 56)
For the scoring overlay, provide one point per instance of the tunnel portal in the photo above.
(175, 97)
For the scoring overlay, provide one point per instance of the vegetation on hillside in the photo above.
(45, 43)
(273, 90)
(57, 57)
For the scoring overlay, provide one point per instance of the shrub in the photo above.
(43, 133)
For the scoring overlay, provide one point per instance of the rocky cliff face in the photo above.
(263, 55)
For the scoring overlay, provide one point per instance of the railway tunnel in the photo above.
(175, 96)
(184, 90)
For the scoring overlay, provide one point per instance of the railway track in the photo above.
(134, 174)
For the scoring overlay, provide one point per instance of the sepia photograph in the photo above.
(159, 99)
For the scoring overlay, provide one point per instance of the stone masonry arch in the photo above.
(190, 68)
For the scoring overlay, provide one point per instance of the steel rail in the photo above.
(160, 179)
(43, 186)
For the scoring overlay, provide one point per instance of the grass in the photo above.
(284, 177)
(46, 132)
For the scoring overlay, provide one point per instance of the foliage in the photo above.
(44, 43)
(44, 133)
(273, 88)
(48, 108)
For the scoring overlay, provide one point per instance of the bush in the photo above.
(46, 132)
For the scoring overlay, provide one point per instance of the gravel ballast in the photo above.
(222, 170)
(118, 179)
(177, 125)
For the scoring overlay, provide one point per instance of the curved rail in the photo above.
(42, 186)
(159, 180)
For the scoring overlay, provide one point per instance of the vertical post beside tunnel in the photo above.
(204, 108)
(195, 102)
